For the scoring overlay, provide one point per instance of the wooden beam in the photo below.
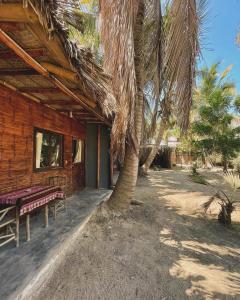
(73, 110)
(54, 90)
(40, 90)
(69, 75)
(9, 26)
(57, 51)
(16, 72)
(88, 119)
(8, 41)
(13, 88)
(98, 155)
(61, 72)
(58, 102)
(6, 54)
(81, 113)
(53, 45)
(15, 12)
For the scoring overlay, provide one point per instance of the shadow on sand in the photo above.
(202, 258)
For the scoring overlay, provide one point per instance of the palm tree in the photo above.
(216, 99)
(132, 41)
(133, 27)
(179, 66)
(134, 59)
(228, 202)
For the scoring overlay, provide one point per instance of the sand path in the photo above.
(163, 250)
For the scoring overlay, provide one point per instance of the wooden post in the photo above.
(17, 227)
(46, 215)
(98, 155)
(28, 236)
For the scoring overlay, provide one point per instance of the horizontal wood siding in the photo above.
(18, 117)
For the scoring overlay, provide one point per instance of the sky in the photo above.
(219, 39)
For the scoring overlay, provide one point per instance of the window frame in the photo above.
(83, 151)
(44, 169)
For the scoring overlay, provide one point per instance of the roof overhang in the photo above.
(38, 67)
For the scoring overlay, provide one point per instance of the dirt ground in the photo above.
(166, 249)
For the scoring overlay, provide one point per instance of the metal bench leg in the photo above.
(46, 215)
(17, 227)
(28, 235)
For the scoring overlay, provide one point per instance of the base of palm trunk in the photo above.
(104, 213)
(143, 171)
(225, 215)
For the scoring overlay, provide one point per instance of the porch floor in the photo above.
(19, 265)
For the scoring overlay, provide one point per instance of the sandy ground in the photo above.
(164, 250)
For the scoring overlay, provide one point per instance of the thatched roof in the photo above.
(50, 33)
(95, 82)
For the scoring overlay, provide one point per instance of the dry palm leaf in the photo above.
(119, 34)
(93, 81)
(117, 19)
(181, 51)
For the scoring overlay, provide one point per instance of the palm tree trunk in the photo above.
(124, 190)
(152, 154)
(123, 193)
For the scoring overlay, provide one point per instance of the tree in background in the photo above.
(216, 100)
(134, 58)
(180, 50)
(82, 19)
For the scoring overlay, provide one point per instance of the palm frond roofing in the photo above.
(95, 82)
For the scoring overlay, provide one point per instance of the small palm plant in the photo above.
(228, 202)
(194, 169)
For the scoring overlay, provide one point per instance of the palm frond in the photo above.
(117, 19)
(128, 44)
(94, 82)
(182, 48)
(233, 180)
(220, 195)
(153, 46)
(208, 203)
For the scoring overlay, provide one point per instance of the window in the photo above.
(48, 149)
(77, 151)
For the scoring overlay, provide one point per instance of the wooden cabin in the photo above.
(55, 103)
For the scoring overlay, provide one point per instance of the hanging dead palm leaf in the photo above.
(182, 49)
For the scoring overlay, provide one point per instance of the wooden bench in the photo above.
(24, 201)
(59, 181)
(7, 225)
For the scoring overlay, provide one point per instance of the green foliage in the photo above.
(194, 169)
(237, 104)
(82, 22)
(215, 100)
(234, 182)
(228, 201)
(236, 163)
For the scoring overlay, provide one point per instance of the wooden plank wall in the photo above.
(18, 117)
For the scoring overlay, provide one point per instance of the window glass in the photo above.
(48, 149)
(77, 150)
